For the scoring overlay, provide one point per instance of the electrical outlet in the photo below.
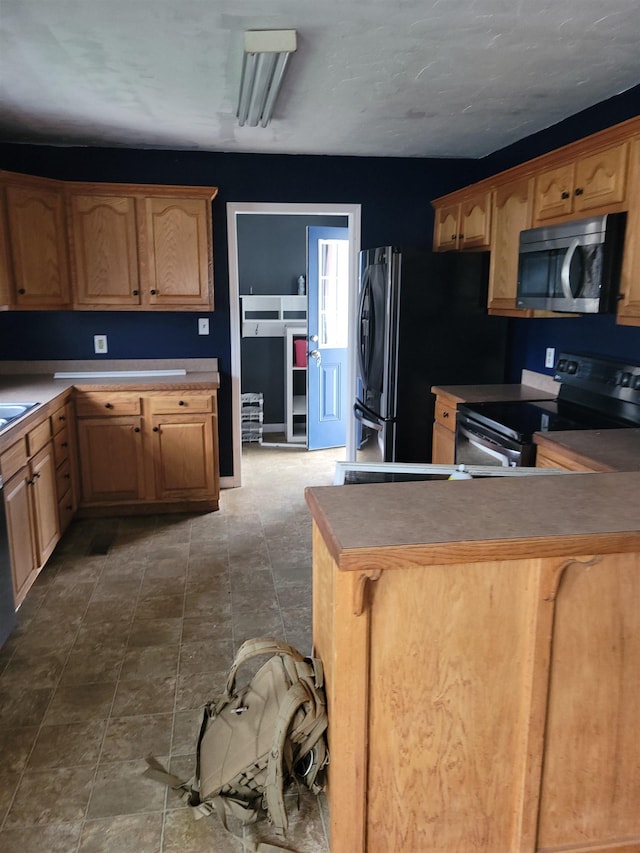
(100, 344)
(203, 325)
(550, 357)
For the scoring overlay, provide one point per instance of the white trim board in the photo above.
(352, 212)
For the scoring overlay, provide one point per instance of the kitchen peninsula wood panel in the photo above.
(470, 663)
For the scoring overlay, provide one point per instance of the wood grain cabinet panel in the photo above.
(178, 269)
(111, 459)
(480, 706)
(629, 304)
(594, 182)
(148, 451)
(104, 249)
(512, 213)
(37, 239)
(463, 225)
(32, 518)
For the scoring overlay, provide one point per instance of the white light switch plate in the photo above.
(100, 344)
(203, 325)
(550, 357)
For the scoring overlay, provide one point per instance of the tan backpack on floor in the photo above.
(257, 739)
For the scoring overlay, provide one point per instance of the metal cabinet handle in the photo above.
(153, 292)
(181, 403)
(135, 292)
(108, 405)
(136, 429)
(445, 414)
(565, 194)
(156, 429)
(579, 191)
(314, 339)
(21, 291)
(64, 444)
(315, 353)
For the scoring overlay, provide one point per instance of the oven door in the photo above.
(477, 444)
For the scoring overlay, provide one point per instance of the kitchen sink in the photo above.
(11, 411)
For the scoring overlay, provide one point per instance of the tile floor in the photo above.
(125, 635)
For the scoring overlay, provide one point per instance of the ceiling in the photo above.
(391, 78)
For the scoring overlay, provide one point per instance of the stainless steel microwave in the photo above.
(572, 267)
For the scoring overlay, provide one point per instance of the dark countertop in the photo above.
(602, 450)
(397, 525)
(491, 393)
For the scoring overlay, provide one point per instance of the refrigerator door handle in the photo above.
(366, 286)
(360, 416)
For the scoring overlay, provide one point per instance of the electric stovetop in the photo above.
(519, 420)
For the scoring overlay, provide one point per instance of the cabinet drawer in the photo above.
(445, 415)
(180, 404)
(13, 459)
(63, 478)
(38, 437)
(104, 405)
(59, 419)
(61, 446)
(65, 510)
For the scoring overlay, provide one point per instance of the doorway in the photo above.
(351, 213)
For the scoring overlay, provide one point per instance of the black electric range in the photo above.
(595, 394)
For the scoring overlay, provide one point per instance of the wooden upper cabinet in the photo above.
(178, 268)
(445, 233)
(104, 249)
(5, 263)
(594, 182)
(629, 304)
(463, 225)
(37, 239)
(512, 212)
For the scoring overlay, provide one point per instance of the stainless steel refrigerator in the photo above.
(422, 320)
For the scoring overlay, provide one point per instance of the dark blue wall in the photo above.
(394, 194)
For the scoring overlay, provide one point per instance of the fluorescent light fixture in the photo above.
(266, 53)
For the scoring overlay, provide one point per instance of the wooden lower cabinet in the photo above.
(111, 461)
(487, 707)
(32, 519)
(443, 448)
(164, 456)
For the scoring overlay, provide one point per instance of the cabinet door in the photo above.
(21, 546)
(601, 179)
(629, 305)
(475, 222)
(184, 458)
(444, 445)
(105, 250)
(513, 205)
(38, 246)
(46, 528)
(111, 460)
(554, 193)
(178, 258)
(5, 265)
(445, 234)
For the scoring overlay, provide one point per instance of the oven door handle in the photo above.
(490, 448)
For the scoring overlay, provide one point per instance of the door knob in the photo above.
(315, 353)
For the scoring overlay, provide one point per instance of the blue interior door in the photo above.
(328, 332)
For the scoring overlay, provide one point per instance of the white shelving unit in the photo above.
(270, 316)
(295, 387)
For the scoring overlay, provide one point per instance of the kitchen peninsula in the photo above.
(481, 644)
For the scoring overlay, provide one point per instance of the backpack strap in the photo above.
(274, 783)
(250, 649)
